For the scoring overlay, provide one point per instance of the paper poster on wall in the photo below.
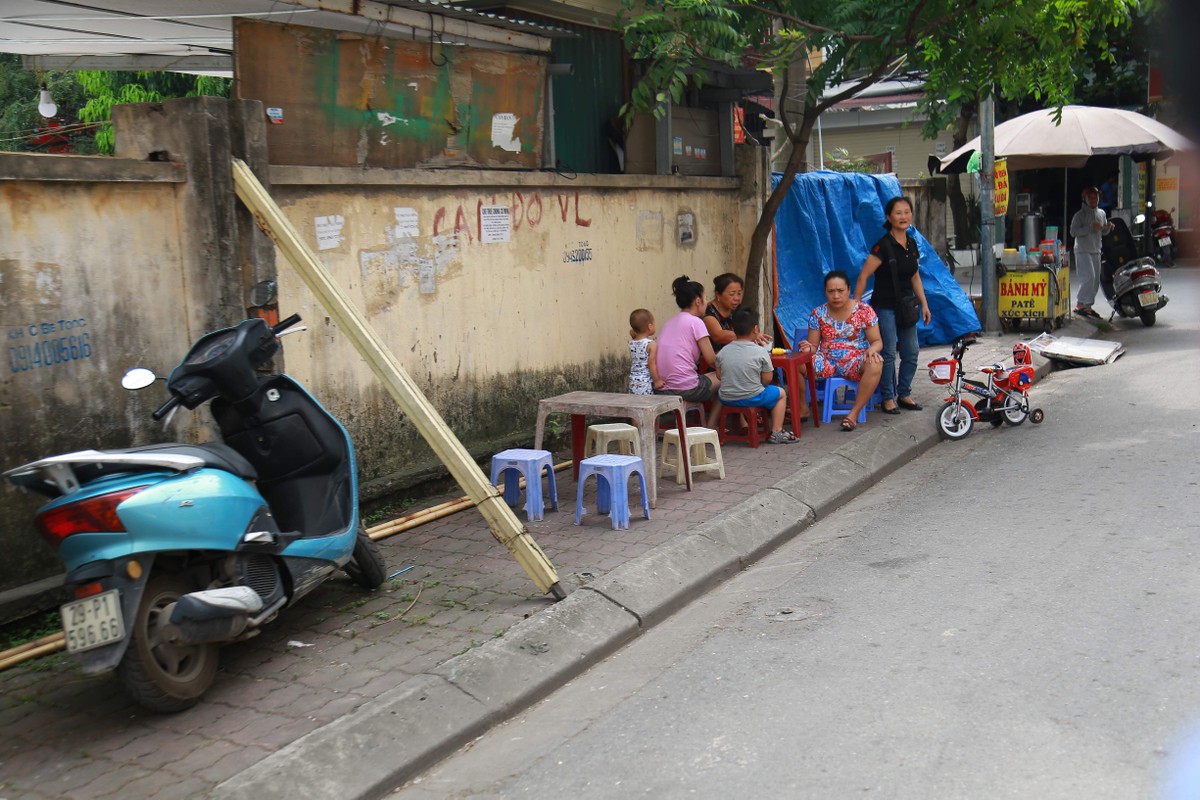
(503, 128)
(495, 224)
(686, 224)
(677, 145)
(329, 231)
(406, 222)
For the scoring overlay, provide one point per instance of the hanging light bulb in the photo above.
(46, 106)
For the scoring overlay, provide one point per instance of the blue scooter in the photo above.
(174, 549)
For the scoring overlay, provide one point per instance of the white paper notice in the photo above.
(329, 232)
(495, 224)
(406, 222)
(503, 127)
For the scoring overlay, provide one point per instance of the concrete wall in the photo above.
(91, 284)
(137, 255)
(488, 317)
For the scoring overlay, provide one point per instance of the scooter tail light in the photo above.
(1138, 274)
(93, 515)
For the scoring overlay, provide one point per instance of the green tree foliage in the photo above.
(107, 89)
(965, 49)
(839, 159)
(20, 122)
(85, 97)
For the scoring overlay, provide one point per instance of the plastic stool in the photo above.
(600, 436)
(829, 404)
(752, 416)
(666, 422)
(612, 487)
(528, 464)
(697, 453)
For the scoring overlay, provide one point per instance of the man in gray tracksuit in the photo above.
(1087, 226)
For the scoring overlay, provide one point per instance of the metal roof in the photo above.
(197, 35)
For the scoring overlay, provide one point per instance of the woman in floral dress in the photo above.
(843, 336)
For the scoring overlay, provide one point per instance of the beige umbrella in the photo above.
(1034, 141)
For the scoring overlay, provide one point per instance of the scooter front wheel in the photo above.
(954, 421)
(160, 673)
(366, 567)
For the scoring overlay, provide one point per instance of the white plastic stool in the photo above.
(698, 458)
(600, 436)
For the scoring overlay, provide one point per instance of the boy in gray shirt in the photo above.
(745, 371)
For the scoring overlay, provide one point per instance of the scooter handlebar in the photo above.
(165, 408)
(280, 327)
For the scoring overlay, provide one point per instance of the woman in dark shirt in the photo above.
(897, 247)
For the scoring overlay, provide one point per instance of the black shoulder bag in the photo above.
(908, 307)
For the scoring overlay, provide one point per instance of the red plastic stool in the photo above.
(752, 417)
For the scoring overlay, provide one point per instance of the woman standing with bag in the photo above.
(899, 300)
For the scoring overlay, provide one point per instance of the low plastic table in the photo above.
(640, 409)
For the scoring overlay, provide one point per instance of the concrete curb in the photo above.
(376, 748)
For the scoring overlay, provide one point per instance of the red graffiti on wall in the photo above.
(524, 210)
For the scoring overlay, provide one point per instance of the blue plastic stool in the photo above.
(612, 487)
(830, 406)
(527, 464)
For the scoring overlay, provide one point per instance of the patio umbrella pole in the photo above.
(505, 526)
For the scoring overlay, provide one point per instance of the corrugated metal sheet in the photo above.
(586, 103)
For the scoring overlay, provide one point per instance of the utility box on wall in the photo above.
(695, 143)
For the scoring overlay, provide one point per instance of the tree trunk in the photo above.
(762, 231)
(964, 228)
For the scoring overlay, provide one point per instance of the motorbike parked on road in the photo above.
(1132, 285)
(1162, 237)
(174, 549)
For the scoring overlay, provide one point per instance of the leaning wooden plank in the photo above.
(500, 518)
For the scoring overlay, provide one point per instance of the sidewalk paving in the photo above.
(350, 693)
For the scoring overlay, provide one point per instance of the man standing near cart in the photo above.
(1087, 226)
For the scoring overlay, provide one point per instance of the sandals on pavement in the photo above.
(782, 437)
(893, 410)
(908, 405)
(848, 424)
(1087, 311)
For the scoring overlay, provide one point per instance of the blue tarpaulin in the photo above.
(828, 221)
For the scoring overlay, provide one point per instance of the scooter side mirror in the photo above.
(138, 378)
(1139, 219)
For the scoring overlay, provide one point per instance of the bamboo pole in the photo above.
(10, 659)
(417, 518)
(504, 525)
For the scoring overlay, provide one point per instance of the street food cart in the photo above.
(1039, 292)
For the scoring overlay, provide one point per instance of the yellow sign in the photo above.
(1001, 187)
(1166, 185)
(1032, 294)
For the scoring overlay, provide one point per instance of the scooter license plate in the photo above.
(1165, 241)
(93, 621)
(1148, 298)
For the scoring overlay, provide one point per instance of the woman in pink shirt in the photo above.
(682, 341)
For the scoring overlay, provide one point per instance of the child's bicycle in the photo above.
(1004, 397)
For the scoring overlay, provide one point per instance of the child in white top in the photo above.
(643, 372)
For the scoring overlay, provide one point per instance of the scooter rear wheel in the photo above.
(1147, 318)
(366, 567)
(954, 421)
(158, 672)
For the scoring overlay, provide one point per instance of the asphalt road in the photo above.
(1011, 615)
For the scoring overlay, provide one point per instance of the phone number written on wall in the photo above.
(48, 344)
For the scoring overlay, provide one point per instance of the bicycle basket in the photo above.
(943, 370)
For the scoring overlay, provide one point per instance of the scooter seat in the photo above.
(215, 455)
